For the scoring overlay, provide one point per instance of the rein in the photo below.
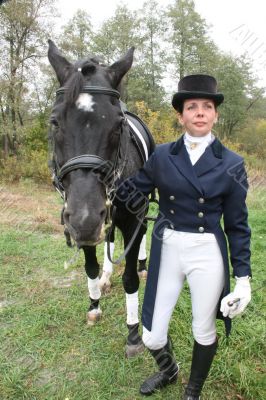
(130, 243)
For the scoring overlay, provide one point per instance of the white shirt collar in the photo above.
(208, 139)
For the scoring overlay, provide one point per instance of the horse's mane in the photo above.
(77, 81)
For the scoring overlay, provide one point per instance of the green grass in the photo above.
(48, 353)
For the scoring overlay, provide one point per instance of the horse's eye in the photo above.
(54, 122)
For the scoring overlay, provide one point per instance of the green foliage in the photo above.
(236, 83)
(253, 138)
(31, 164)
(76, 37)
(36, 137)
(23, 32)
(115, 37)
(117, 34)
(170, 41)
(148, 69)
(161, 123)
(31, 160)
(192, 50)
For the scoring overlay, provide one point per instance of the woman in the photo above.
(199, 181)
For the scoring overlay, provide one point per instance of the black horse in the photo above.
(93, 147)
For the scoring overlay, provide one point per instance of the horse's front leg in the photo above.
(105, 281)
(92, 271)
(142, 258)
(131, 285)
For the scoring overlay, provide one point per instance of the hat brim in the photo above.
(179, 97)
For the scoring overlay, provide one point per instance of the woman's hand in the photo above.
(235, 302)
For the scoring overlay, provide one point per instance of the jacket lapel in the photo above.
(180, 158)
(209, 160)
(211, 157)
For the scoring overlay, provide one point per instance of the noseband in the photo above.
(86, 161)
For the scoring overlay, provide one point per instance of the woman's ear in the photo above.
(180, 118)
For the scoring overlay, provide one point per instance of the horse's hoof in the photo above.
(133, 349)
(105, 283)
(143, 274)
(94, 316)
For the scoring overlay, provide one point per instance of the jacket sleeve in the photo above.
(236, 221)
(138, 187)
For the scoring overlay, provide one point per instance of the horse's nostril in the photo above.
(66, 216)
(103, 213)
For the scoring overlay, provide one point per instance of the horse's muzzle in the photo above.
(84, 237)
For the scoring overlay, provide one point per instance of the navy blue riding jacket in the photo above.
(195, 199)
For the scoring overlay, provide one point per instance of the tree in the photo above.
(240, 91)
(76, 38)
(115, 37)
(117, 34)
(147, 75)
(23, 33)
(192, 49)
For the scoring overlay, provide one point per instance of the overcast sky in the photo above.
(237, 26)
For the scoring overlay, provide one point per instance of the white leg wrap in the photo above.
(132, 302)
(142, 249)
(107, 265)
(94, 288)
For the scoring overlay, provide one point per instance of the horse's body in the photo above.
(87, 121)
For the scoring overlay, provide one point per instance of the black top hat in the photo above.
(197, 87)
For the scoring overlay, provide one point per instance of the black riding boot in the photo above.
(202, 358)
(168, 370)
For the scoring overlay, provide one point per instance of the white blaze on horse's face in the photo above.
(84, 214)
(85, 102)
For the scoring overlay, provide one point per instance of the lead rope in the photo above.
(130, 243)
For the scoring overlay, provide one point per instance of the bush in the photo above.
(160, 123)
(32, 165)
(252, 139)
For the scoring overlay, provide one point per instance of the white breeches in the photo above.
(197, 258)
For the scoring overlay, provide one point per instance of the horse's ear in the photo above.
(60, 64)
(122, 66)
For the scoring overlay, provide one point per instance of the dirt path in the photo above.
(30, 206)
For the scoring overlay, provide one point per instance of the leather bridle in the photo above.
(99, 165)
(87, 161)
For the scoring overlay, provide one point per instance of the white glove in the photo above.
(236, 302)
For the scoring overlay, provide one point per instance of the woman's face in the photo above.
(198, 116)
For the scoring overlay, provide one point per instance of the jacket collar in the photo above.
(216, 146)
(210, 159)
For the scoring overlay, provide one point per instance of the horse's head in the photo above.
(86, 121)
